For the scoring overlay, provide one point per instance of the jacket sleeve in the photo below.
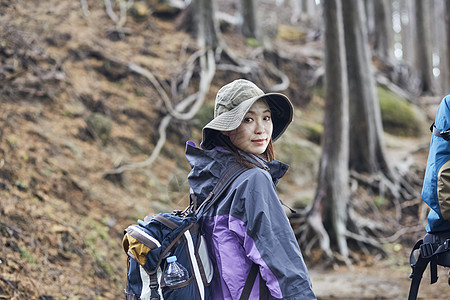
(269, 239)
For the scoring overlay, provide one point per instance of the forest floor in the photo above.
(61, 220)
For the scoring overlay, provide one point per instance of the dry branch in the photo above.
(123, 12)
(159, 145)
(207, 72)
(315, 223)
(85, 8)
(366, 240)
(284, 84)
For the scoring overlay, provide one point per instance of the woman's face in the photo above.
(255, 131)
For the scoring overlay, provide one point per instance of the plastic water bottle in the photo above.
(174, 273)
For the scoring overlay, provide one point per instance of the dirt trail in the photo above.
(376, 282)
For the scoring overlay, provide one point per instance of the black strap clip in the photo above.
(426, 250)
(446, 245)
(154, 294)
(445, 134)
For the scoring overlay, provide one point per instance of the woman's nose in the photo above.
(259, 128)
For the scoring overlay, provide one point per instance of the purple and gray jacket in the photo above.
(248, 225)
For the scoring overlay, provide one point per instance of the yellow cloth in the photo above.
(443, 190)
(139, 250)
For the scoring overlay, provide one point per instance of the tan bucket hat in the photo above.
(234, 100)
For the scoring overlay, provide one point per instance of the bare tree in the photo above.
(367, 153)
(423, 45)
(348, 65)
(408, 30)
(444, 38)
(366, 146)
(207, 27)
(250, 20)
(328, 215)
(383, 44)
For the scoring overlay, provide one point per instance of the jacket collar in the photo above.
(207, 166)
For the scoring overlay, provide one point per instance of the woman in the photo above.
(248, 226)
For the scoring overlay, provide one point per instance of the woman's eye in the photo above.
(248, 120)
(267, 118)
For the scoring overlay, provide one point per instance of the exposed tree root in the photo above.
(195, 101)
(368, 233)
(310, 232)
(398, 190)
(119, 21)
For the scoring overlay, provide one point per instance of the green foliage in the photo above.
(23, 186)
(379, 201)
(301, 203)
(27, 255)
(68, 114)
(12, 140)
(302, 156)
(312, 131)
(102, 247)
(252, 42)
(139, 92)
(319, 91)
(100, 126)
(399, 117)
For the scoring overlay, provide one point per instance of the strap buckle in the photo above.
(446, 244)
(445, 134)
(426, 250)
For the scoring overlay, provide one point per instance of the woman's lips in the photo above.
(259, 141)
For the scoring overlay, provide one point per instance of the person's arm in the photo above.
(269, 240)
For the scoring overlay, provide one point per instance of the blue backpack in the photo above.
(149, 242)
(434, 248)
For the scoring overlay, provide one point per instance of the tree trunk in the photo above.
(440, 42)
(366, 148)
(408, 31)
(250, 20)
(207, 27)
(370, 21)
(332, 194)
(383, 46)
(447, 30)
(423, 45)
(309, 7)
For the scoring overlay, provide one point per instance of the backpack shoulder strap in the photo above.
(224, 182)
(249, 282)
(263, 290)
(165, 221)
(418, 267)
(428, 253)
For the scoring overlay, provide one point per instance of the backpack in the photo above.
(149, 242)
(434, 248)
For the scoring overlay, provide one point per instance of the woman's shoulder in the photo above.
(255, 176)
